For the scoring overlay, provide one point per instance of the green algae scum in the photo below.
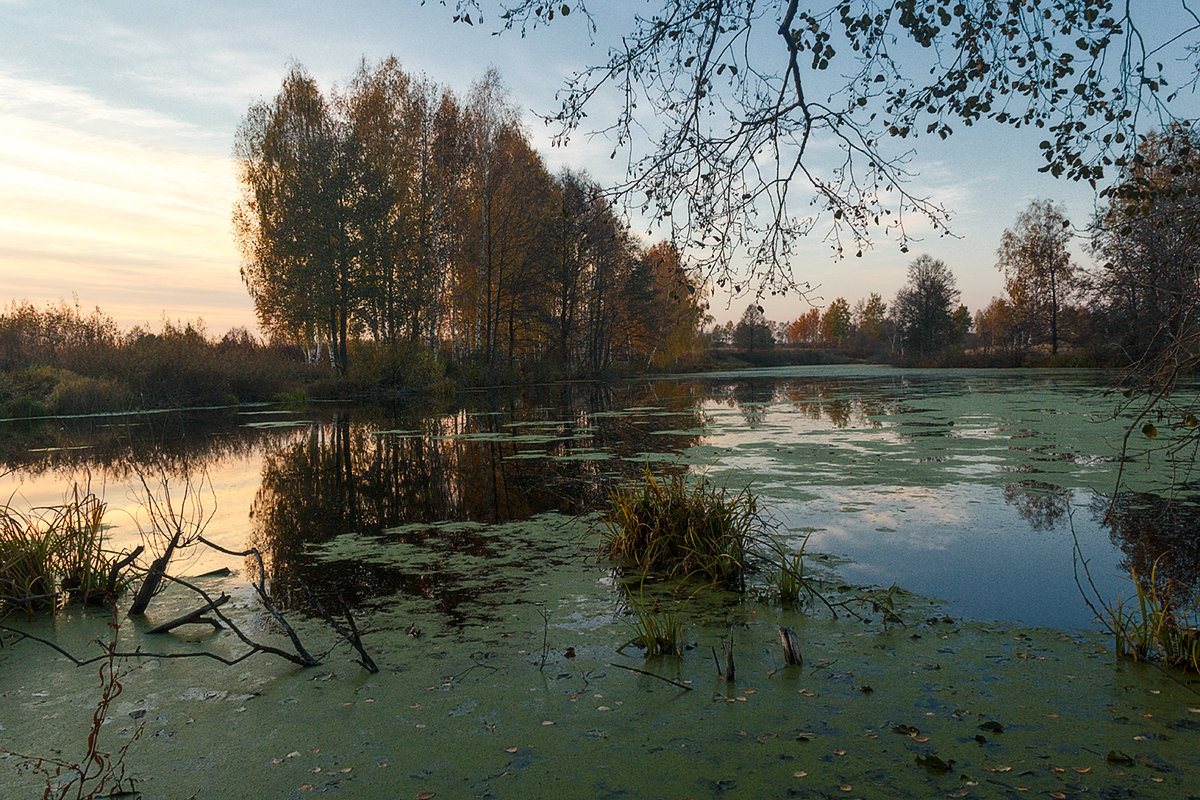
(465, 545)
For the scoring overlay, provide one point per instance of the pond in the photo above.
(464, 541)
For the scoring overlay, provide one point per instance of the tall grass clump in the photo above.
(663, 526)
(53, 555)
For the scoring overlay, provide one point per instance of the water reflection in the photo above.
(1151, 528)
(1042, 505)
(392, 481)
(922, 479)
(124, 446)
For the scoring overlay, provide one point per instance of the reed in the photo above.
(1157, 627)
(53, 555)
(657, 628)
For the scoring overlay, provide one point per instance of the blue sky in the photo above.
(117, 122)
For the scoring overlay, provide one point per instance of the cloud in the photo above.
(127, 206)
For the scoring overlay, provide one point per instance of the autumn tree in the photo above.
(924, 307)
(669, 305)
(291, 223)
(1146, 294)
(1039, 273)
(871, 319)
(996, 327)
(806, 328)
(835, 322)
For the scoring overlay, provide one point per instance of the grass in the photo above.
(658, 629)
(50, 556)
(660, 525)
(1157, 627)
(787, 580)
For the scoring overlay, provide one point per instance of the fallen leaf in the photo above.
(1058, 796)
(293, 754)
(425, 796)
(845, 787)
(1083, 770)
(510, 749)
(800, 774)
(306, 787)
(839, 752)
(547, 722)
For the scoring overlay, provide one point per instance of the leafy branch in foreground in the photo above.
(747, 103)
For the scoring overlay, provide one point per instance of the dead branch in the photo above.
(351, 636)
(196, 616)
(791, 647)
(652, 675)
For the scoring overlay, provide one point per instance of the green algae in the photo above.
(478, 711)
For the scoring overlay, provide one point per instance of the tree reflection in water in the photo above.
(1148, 526)
(391, 479)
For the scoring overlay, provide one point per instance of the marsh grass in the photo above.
(787, 581)
(657, 626)
(55, 554)
(663, 526)
(1156, 626)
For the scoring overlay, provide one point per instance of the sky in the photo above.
(117, 121)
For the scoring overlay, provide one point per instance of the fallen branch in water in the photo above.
(652, 675)
(193, 617)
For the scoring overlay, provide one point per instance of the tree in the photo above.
(753, 332)
(996, 328)
(923, 308)
(835, 322)
(1146, 294)
(742, 121)
(870, 319)
(806, 328)
(291, 222)
(1039, 272)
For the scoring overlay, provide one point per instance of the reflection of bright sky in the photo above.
(909, 484)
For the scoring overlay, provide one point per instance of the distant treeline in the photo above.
(1139, 308)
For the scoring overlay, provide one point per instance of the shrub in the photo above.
(76, 394)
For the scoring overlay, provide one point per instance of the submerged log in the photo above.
(791, 647)
(194, 617)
